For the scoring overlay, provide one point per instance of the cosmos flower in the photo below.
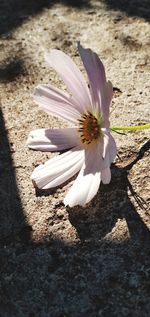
(91, 147)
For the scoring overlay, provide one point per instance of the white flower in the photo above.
(91, 148)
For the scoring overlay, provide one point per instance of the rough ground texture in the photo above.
(79, 262)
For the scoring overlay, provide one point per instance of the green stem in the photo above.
(131, 128)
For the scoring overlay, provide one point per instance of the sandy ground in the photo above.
(79, 262)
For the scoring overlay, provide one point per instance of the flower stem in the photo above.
(131, 128)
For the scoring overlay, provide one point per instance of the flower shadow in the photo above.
(112, 203)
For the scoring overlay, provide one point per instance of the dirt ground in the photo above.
(74, 262)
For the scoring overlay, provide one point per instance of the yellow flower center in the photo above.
(89, 127)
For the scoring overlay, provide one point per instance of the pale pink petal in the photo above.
(56, 103)
(106, 98)
(95, 71)
(87, 183)
(72, 77)
(109, 148)
(106, 143)
(112, 148)
(100, 89)
(106, 175)
(56, 94)
(52, 139)
(104, 162)
(58, 169)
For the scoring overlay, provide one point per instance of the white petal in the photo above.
(56, 103)
(87, 183)
(106, 175)
(72, 77)
(52, 139)
(58, 169)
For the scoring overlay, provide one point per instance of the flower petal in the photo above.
(55, 102)
(100, 89)
(112, 148)
(106, 97)
(58, 169)
(87, 183)
(109, 148)
(106, 175)
(52, 139)
(72, 77)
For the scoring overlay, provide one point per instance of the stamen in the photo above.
(89, 127)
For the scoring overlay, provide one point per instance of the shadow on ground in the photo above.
(14, 12)
(94, 276)
(114, 197)
(135, 8)
(11, 69)
(12, 219)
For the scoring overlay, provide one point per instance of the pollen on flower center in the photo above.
(89, 127)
